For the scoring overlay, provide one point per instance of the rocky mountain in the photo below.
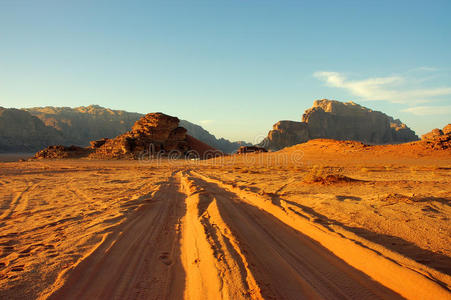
(78, 126)
(22, 132)
(332, 119)
(82, 124)
(153, 135)
(203, 135)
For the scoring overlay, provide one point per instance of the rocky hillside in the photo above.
(82, 124)
(332, 119)
(203, 135)
(78, 126)
(152, 136)
(22, 132)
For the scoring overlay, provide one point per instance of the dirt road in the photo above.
(228, 250)
(120, 230)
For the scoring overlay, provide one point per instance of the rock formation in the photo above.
(155, 134)
(438, 139)
(59, 152)
(80, 125)
(340, 121)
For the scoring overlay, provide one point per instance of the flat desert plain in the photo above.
(322, 220)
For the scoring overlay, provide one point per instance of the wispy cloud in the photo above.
(205, 122)
(392, 88)
(429, 110)
(424, 69)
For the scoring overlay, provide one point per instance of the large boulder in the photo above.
(340, 121)
(59, 152)
(155, 133)
(438, 139)
(447, 129)
(433, 134)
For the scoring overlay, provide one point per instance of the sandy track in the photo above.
(408, 278)
(284, 263)
(140, 260)
(192, 239)
(127, 231)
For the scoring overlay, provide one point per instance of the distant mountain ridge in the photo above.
(22, 132)
(203, 135)
(31, 129)
(82, 124)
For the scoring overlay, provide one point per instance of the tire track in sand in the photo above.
(215, 266)
(285, 263)
(139, 260)
(392, 270)
(19, 203)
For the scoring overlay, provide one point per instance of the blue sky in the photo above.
(234, 67)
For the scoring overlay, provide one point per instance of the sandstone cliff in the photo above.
(340, 121)
(154, 135)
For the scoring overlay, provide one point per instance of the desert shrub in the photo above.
(397, 198)
(326, 175)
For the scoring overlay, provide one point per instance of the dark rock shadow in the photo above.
(343, 198)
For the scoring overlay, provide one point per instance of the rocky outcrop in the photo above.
(287, 133)
(80, 125)
(433, 134)
(438, 139)
(154, 135)
(60, 152)
(155, 132)
(340, 121)
(447, 129)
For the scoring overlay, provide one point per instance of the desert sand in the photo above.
(321, 220)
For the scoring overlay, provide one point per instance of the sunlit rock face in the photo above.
(340, 121)
(438, 138)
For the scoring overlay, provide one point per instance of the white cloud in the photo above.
(426, 69)
(390, 88)
(429, 110)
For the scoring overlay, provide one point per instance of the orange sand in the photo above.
(239, 227)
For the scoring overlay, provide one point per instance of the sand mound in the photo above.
(440, 146)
